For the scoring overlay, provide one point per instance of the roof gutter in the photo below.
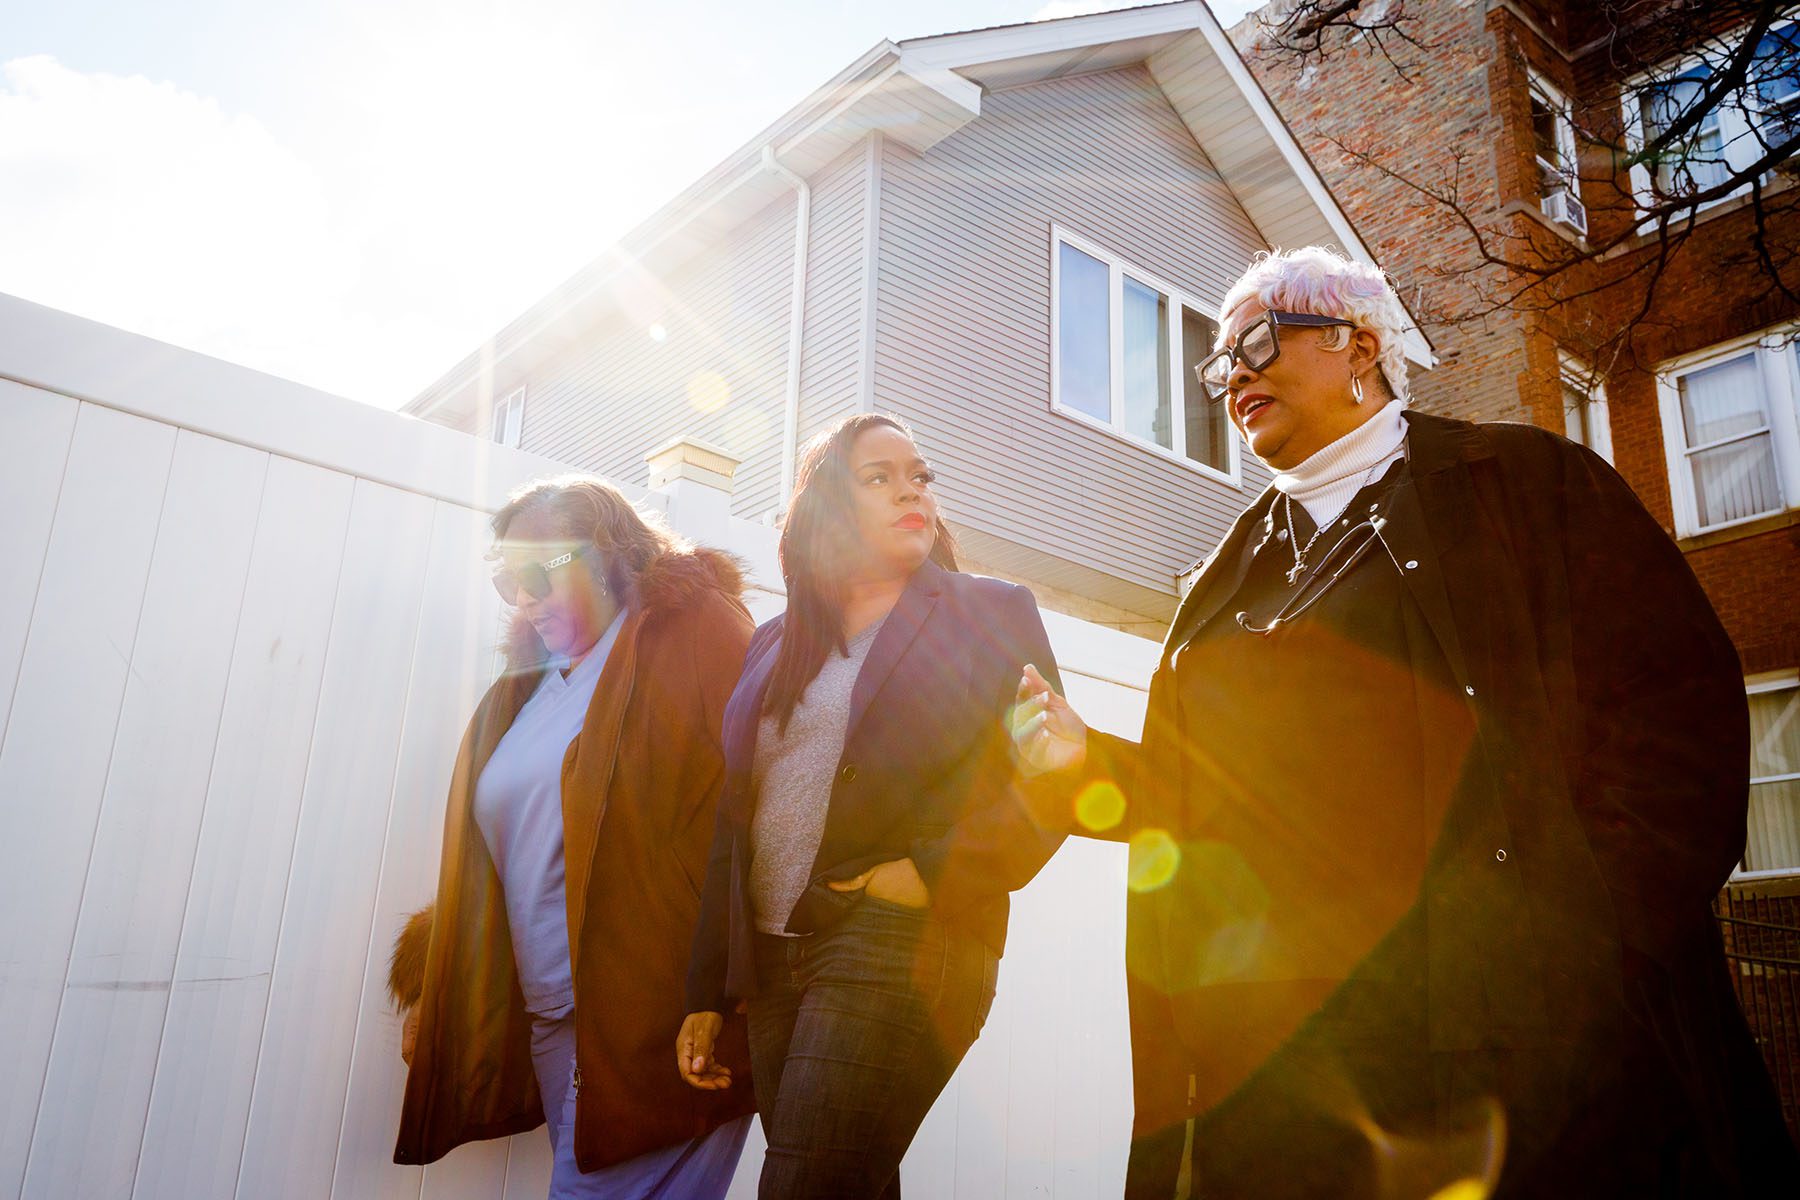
(790, 412)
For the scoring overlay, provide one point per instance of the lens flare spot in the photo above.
(1152, 861)
(708, 392)
(1100, 805)
(1463, 1189)
(658, 333)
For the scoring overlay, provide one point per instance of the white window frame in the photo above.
(1772, 681)
(1735, 132)
(1776, 360)
(507, 420)
(1581, 377)
(1568, 169)
(1117, 268)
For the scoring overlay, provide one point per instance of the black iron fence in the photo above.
(1761, 925)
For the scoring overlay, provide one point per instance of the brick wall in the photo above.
(1460, 116)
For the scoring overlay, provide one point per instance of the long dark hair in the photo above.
(819, 546)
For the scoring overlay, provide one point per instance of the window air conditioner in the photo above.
(1562, 207)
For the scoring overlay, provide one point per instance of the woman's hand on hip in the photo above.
(1048, 734)
(897, 882)
(694, 1052)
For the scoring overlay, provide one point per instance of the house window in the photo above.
(1729, 428)
(1585, 418)
(508, 418)
(1738, 130)
(1124, 348)
(1773, 844)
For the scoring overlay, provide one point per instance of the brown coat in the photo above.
(640, 785)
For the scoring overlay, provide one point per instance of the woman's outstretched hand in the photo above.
(1048, 734)
(694, 1052)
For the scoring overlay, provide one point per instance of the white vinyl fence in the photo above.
(242, 624)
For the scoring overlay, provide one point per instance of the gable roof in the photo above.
(919, 92)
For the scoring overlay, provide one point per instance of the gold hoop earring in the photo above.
(1356, 389)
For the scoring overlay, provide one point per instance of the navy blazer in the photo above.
(927, 773)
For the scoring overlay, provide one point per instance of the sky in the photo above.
(355, 193)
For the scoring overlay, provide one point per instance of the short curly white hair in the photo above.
(1317, 279)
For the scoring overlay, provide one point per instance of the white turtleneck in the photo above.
(1325, 482)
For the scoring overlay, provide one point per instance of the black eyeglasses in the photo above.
(1256, 347)
(533, 577)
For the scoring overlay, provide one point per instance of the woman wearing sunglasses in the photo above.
(871, 826)
(543, 985)
(1444, 760)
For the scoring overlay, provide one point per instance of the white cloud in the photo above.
(150, 208)
(452, 174)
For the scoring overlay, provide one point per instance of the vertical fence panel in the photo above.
(297, 1104)
(473, 1172)
(35, 429)
(452, 656)
(53, 764)
(97, 1086)
(193, 1134)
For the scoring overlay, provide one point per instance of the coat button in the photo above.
(848, 774)
(1469, 688)
(1500, 854)
(1412, 564)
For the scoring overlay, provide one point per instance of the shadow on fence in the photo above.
(1761, 925)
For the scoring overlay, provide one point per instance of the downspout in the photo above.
(790, 415)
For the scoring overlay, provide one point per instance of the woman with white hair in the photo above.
(1444, 759)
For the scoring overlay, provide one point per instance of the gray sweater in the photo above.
(792, 775)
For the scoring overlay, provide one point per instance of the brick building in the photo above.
(1511, 105)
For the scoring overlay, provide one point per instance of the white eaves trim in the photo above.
(1418, 350)
(958, 51)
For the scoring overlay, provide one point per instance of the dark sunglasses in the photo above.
(533, 577)
(1256, 347)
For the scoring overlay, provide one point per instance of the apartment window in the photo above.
(1123, 351)
(1585, 417)
(1738, 130)
(1729, 426)
(1552, 138)
(1773, 844)
(508, 418)
(1777, 83)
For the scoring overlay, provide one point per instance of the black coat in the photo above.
(926, 773)
(1598, 809)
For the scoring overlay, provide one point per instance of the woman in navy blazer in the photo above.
(875, 971)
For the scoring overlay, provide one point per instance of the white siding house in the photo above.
(894, 242)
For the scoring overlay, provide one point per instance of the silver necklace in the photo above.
(1293, 539)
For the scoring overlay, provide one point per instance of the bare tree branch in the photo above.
(1689, 125)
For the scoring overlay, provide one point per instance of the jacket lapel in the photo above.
(897, 634)
(1437, 482)
(743, 716)
(588, 769)
(1222, 573)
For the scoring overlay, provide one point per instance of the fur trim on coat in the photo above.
(406, 968)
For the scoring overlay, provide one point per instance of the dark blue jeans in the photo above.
(853, 1033)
